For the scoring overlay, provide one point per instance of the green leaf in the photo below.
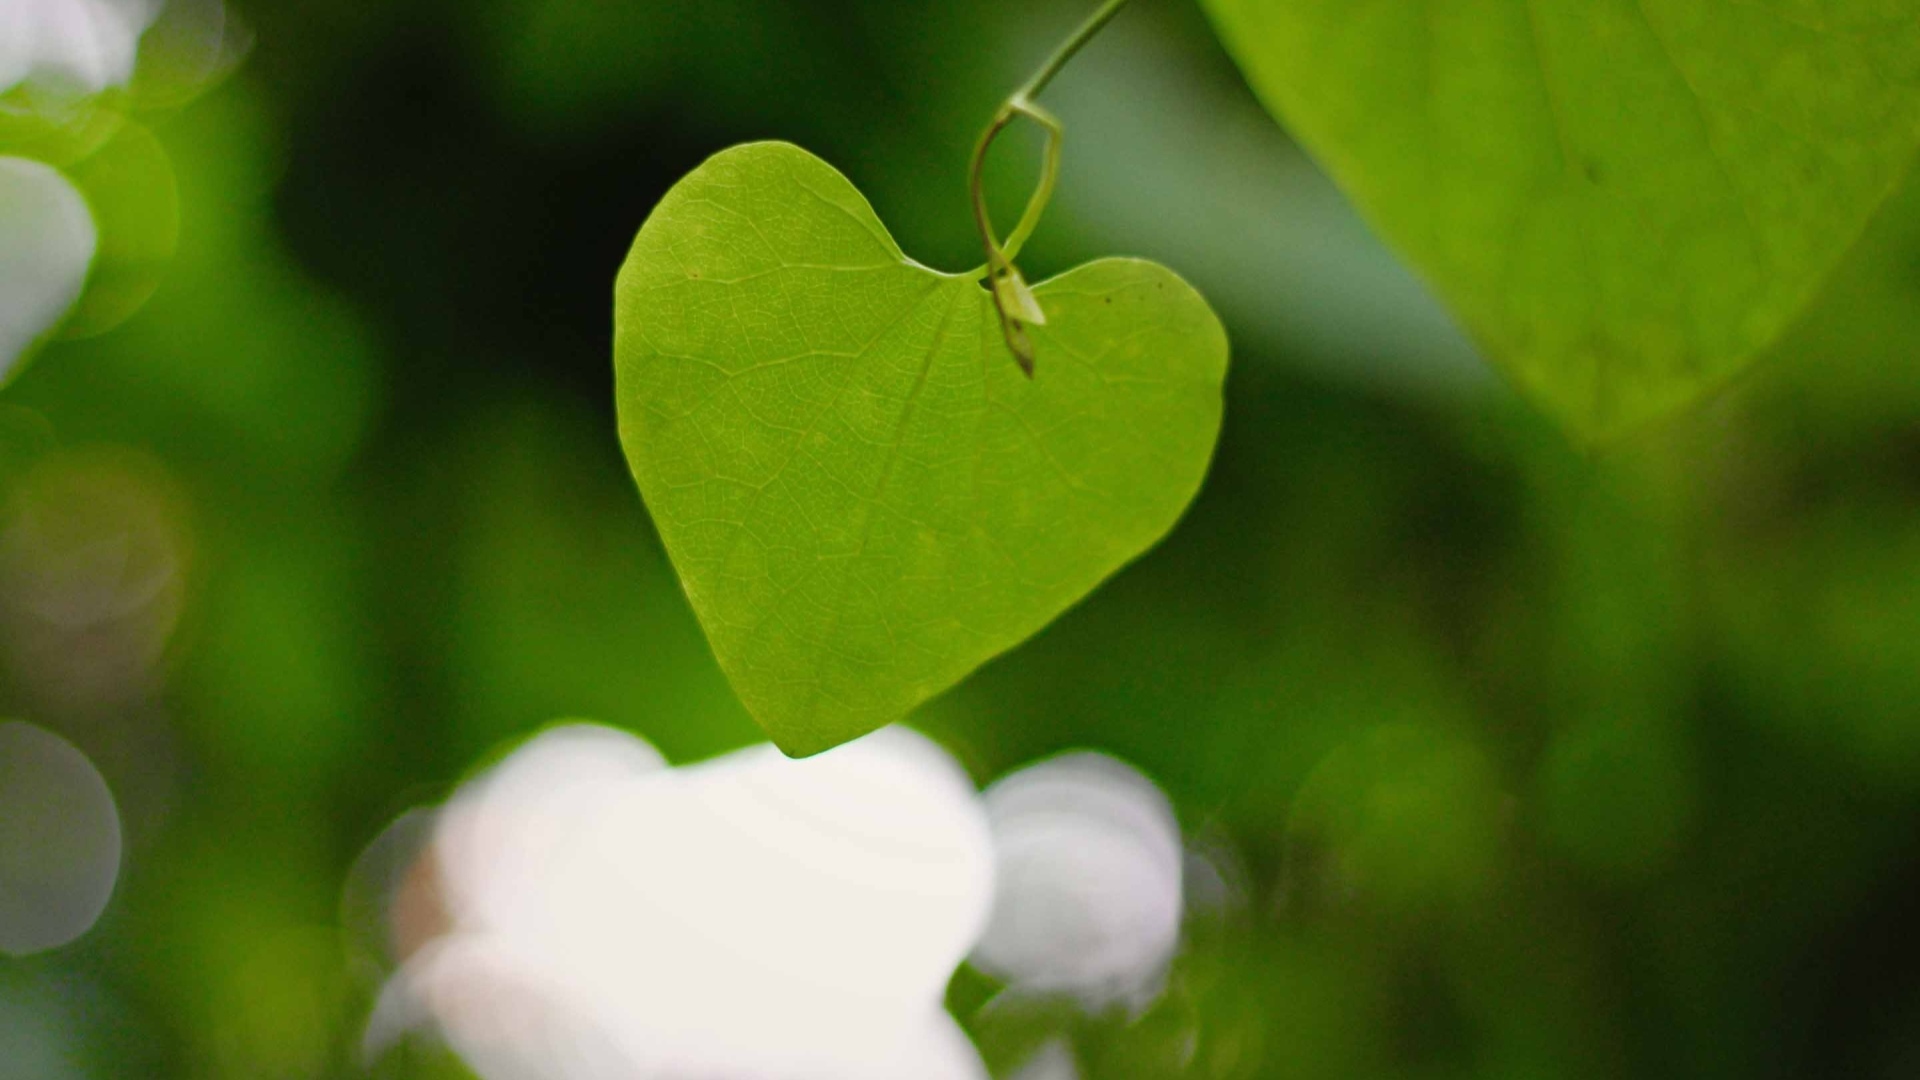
(130, 187)
(863, 496)
(1624, 200)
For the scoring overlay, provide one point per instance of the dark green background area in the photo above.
(1512, 760)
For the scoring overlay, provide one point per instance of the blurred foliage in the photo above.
(1506, 759)
(1625, 204)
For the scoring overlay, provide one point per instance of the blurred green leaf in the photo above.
(279, 678)
(129, 185)
(1833, 593)
(559, 612)
(1624, 200)
(242, 348)
(1616, 797)
(863, 497)
(60, 137)
(1402, 818)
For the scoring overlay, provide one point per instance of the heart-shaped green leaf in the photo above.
(1624, 200)
(863, 496)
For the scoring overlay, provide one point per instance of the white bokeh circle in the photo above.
(59, 841)
(47, 241)
(1089, 881)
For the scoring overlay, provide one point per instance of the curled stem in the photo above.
(1012, 298)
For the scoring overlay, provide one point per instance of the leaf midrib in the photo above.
(873, 502)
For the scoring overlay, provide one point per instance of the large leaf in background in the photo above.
(864, 498)
(1624, 200)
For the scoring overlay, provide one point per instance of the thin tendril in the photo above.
(1009, 289)
(1094, 24)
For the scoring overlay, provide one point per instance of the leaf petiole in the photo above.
(1012, 298)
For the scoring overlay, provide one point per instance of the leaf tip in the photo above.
(798, 745)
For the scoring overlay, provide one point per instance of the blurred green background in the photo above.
(1513, 760)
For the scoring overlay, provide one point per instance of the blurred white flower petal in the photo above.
(1089, 875)
(189, 45)
(47, 241)
(1053, 1061)
(16, 57)
(506, 1016)
(878, 851)
(59, 841)
(752, 918)
(504, 832)
(70, 48)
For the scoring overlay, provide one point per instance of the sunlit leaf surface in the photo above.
(863, 496)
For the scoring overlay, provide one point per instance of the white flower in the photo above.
(1089, 867)
(750, 918)
(70, 48)
(47, 240)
